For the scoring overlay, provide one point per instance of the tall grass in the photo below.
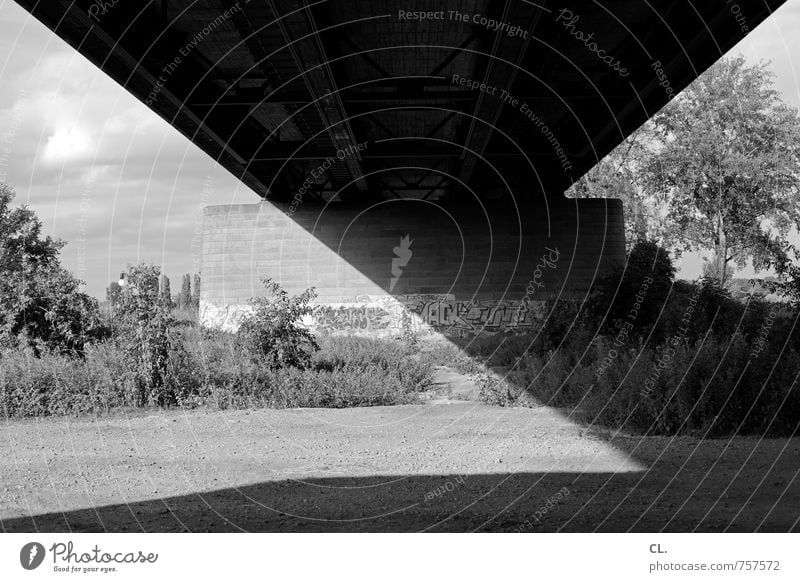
(712, 386)
(210, 371)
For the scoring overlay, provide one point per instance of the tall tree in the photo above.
(113, 292)
(164, 292)
(196, 291)
(725, 158)
(144, 329)
(41, 303)
(185, 297)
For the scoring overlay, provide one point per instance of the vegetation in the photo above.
(211, 372)
(41, 305)
(644, 353)
(715, 170)
(727, 160)
(692, 360)
(148, 357)
(273, 333)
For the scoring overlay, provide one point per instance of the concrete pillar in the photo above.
(454, 269)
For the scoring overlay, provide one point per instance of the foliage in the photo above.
(788, 286)
(196, 291)
(708, 365)
(164, 293)
(143, 327)
(185, 296)
(635, 294)
(497, 392)
(725, 157)
(113, 292)
(617, 176)
(41, 303)
(716, 169)
(211, 372)
(410, 334)
(346, 371)
(273, 334)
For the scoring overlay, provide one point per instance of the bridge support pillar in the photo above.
(380, 270)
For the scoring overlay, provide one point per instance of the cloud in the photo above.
(68, 144)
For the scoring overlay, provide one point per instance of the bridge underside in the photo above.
(377, 120)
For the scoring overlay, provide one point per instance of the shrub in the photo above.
(347, 371)
(634, 293)
(52, 383)
(144, 330)
(497, 392)
(708, 387)
(273, 333)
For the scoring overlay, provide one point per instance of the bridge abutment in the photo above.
(378, 270)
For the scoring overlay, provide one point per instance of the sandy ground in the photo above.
(445, 466)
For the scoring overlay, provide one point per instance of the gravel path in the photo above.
(446, 466)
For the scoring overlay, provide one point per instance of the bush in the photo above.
(144, 330)
(710, 387)
(211, 372)
(51, 383)
(41, 304)
(635, 293)
(273, 334)
(347, 371)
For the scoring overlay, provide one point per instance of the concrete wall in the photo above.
(458, 270)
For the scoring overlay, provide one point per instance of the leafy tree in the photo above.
(185, 296)
(144, 328)
(113, 292)
(165, 295)
(725, 157)
(616, 176)
(635, 295)
(41, 303)
(273, 333)
(196, 292)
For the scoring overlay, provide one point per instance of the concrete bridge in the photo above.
(410, 157)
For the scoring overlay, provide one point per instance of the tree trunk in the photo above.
(721, 251)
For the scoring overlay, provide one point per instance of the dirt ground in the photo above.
(445, 466)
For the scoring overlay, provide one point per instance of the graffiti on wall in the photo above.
(222, 317)
(378, 315)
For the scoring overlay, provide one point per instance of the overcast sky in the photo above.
(121, 186)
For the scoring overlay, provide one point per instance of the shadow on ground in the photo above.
(744, 485)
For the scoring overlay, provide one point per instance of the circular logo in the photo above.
(31, 555)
